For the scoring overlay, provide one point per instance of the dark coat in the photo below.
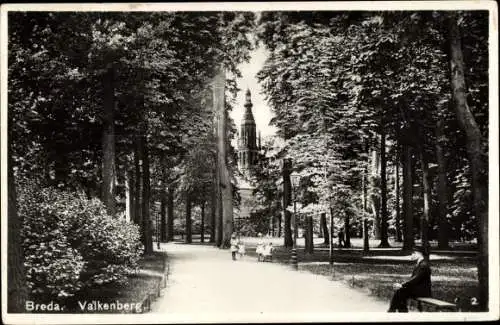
(419, 284)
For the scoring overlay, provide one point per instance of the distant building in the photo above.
(248, 155)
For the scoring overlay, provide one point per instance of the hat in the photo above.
(421, 249)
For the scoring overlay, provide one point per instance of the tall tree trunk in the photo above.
(163, 201)
(138, 160)
(279, 227)
(17, 290)
(310, 238)
(374, 197)
(218, 219)
(170, 213)
(408, 241)
(213, 209)
(108, 143)
(189, 234)
(224, 174)
(332, 226)
(146, 193)
(399, 236)
(129, 203)
(347, 228)
(366, 239)
(287, 198)
(324, 228)
(424, 223)
(479, 178)
(273, 222)
(202, 226)
(384, 240)
(442, 185)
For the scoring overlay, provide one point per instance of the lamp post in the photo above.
(295, 180)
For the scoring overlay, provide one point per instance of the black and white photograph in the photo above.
(249, 162)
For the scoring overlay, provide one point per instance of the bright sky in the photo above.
(262, 113)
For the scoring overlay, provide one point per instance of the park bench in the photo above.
(432, 304)
(267, 254)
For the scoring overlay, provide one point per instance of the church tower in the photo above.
(247, 151)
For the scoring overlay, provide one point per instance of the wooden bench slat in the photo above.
(436, 302)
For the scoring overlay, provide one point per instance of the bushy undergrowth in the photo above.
(70, 243)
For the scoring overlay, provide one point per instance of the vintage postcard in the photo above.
(253, 162)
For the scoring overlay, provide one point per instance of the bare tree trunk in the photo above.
(384, 240)
(137, 218)
(332, 226)
(272, 226)
(146, 190)
(310, 238)
(424, 228)
(479, 178)
(202, 226)
(347, 232)
(279, 227)
(170, 213)
(224, 175)
(163, 201)
(366, 239)
(324, 229)
(213, 209)
(366, 242)
(374, 198)
(218, 218)
(287, 197)
(189, 234)
(17, 290)
(408, 241)
(399, 236)
(442, 185)
(108, 144)
(128, 198)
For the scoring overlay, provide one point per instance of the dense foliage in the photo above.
(349, 76)
(70, 243)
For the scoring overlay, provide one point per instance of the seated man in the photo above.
(419, 284)
(268, 252)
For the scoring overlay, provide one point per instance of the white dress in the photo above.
(241, 249)
(260, 248)
(234, 245)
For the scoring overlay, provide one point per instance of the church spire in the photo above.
(248, 117)
(248, 140)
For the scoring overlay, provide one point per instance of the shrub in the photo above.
(70, 243)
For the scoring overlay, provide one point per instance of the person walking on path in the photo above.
(419, 284)
(234, 246)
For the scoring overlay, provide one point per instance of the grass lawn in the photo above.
(453, 274)
(138, 285)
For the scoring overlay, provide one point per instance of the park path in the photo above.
(204, 283)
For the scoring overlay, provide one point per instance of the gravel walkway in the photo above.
(206, 285)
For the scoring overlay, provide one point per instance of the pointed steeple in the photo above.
(248, 117)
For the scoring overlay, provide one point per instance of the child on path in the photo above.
(234, 246)
(268, 252)
(241, 248)
(260, 247)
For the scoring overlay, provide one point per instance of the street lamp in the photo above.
(295, 180)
